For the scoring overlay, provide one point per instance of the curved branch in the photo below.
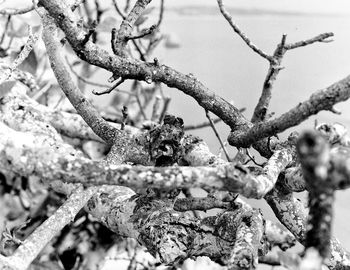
(78, 100)
(15, 11)
(228, 18)
(321, 100)
(135, 69)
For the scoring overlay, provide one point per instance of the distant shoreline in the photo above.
(210, 10)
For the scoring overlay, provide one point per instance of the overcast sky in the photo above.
(314, 6)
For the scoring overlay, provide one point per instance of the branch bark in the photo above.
(321, 100)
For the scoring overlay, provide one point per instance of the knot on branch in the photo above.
(165, 147)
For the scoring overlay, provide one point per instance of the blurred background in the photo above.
(209, 49)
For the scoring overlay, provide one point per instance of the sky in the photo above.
(313, 6)
(308, 6)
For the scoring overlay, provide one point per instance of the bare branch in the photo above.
(125, 29)
(320, 38)
(202, 204)
(115, 3)
(244, 254)
(234, 178)
(5, 29)
(155, 109)
(28, 47)
(144, 33)
(32, 246)
(81, 104)
(201, 125)
(134, 69)
(218, 136)
(314, 155)
(319, 101)
(166, 101)
(161, 12)
(110, 89)
(234, 26)
(275, 67)
(15, 11)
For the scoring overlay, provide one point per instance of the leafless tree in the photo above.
(77, 182)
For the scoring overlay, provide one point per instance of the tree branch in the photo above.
(134, 69)
(32, 246)
(320, 38)
(80, 103)
(321, 100)
(124, 33)
(314, 155)
(16, 11)
(274, 68)
(228, 17)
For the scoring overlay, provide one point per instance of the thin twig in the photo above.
(144, 33)
(274, 68)
(127, 6)
(115, 3)
(16, 11)
(166, 101)
(83, 79)
(28, 47)
(143, 57)
(201, 125)
(320, 38)
(110, 89)
(42, 91)
(5, 29)
(161, 12)
(234, 26)
(217, 135)
(155, 109)
(138, 100)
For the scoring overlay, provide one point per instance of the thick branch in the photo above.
(124, 33)
(74, 169)
(314, 157)
(319, 101)
(289, 210)
(31, 247)
(275, 67)
(80, 103)
(134, 69)
(293, 215)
